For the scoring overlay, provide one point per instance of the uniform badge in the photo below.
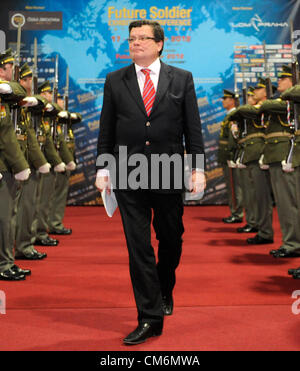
(2, 112)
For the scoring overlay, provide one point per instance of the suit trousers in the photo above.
(59, 201)
(234, 190)
(45, 193)
(264, 202)
(151, 281)
(249, 197)
(26, 213)
(9, 195)
(285, 194)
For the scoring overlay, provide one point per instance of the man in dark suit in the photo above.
(148, 108)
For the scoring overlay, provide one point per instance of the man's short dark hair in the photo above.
(158, 31)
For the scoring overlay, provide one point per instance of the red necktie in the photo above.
(148, 91)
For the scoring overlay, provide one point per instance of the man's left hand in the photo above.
(197, 181)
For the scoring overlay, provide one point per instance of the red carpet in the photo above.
(229, 296)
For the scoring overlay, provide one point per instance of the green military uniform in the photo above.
(244, 127)
(279, 133)
(67, 152)
(47, 184)
(231, 175)
(293, 95)
(252, 146)
(26, 206)
(12, 161)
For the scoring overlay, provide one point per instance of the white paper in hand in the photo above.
(109, 201)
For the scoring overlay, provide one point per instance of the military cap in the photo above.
(286, 72)
(25, 71)
(262, 83)
(44, 87)
(6, 57)
(228, 94)
(250, 90)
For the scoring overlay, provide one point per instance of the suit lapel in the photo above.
(131, 82)
(165, 77)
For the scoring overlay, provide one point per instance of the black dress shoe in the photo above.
(296, 276)
(232, 219)
(283, 253)
(10, 275)
(142, 333)
(291, 272)
(33, 255)
(247, 229)
(21, 271)
(48, 241)
(63, 231)
(257, 240)
(167, 305)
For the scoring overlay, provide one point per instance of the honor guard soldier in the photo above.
(66, 151)
(13, 169)
(225, 158)
(47, 126)
(253, 144)
(279, 136)
(38, 164)
(243, 131)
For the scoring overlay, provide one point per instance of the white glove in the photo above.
(287, 168)
(239, 164)
(60, 168)
(73, 116)
(231, 164)
(23, 175)
(45, 169)
(71, 166)
(1, 176)
(234, 130)
(5, 89)
(63, 114)
(29, 102)
(49, 107)
(261, 163)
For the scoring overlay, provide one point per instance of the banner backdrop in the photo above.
(212, 39)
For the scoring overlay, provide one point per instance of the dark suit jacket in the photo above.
(173, 122)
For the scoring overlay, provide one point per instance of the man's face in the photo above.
(47, 95)
(26, 82)
(60, 102)
(251, 100)
(6, 73)
(228, 103)
(143, 52)
(260, 94)
(284, 84)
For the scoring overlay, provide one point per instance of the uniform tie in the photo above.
(148, 91)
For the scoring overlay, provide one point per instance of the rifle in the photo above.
(295, 106)
(34, 88)
(244, 94)
(16, 77)
(54, 98)
(269, 89)
(66, 105)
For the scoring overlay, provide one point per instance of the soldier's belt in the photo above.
(250, 136)
(21, 137)
(223, 141)
(278, 134)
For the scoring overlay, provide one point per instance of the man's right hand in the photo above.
(103, 182)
